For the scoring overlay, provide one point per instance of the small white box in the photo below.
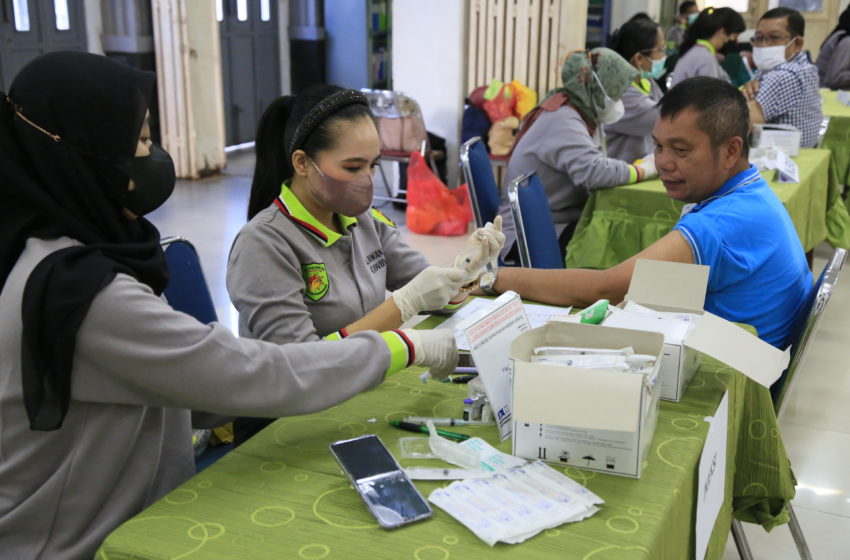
(599, 419)
(781, 136)
(678, 287)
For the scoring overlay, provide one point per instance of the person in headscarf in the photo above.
(834, 59)
(563, 142)
(316, 260)
(98, 371)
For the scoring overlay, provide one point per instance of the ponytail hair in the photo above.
(708, 22)
(638, 35)
(277, 127)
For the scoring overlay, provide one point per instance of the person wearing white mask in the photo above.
(641, 42)
(563, 142)
(785, 89)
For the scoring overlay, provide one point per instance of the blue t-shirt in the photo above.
(759, 275)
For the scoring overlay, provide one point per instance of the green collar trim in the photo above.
(295, 211)
(644, 86)
(707, 45)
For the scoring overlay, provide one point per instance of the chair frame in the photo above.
(825, 285)
(513, 201)
(470, 180)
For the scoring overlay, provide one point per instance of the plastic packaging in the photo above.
(451, 452)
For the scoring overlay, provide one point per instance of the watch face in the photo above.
(488, 278)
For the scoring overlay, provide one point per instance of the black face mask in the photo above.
(154, 178)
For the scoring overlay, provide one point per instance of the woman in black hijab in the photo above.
(93, 360)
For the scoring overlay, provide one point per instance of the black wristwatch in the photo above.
(488, 280)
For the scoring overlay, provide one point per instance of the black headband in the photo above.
(322, 110)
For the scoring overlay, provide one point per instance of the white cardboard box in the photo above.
(601, 420)
(669, 286)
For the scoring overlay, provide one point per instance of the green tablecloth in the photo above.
(837, 138)
(281, 495)
(620, 222)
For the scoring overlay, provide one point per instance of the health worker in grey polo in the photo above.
(315, 260)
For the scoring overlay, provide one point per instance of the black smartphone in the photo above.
(379, 479)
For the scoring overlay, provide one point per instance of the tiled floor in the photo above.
(815, 423)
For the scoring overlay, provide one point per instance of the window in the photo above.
(242, 10)
(22, 15)
(219, 10)
(60, 13)
(803, 5)
(265, 10)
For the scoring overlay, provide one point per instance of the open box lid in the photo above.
(679, 285)
(579, 398)
(669, 284)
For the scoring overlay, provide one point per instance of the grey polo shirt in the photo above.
(630, 137)
(292, 279)
(700, 60)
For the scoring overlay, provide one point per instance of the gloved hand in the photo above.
(646, 167)
(430, 289)
(481, 248)
(434, 349)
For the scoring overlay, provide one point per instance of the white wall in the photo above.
(429, 58)
(625, 9)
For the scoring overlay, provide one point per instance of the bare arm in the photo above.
(581, 287)
(385, 317)
(756, 114)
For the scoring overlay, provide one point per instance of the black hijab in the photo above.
(74, 186)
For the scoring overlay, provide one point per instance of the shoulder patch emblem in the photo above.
(378, 215)
(316, 281)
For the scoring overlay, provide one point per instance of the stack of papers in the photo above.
(516, 504)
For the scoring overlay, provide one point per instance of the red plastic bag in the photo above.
(499, 103)
(432, 208)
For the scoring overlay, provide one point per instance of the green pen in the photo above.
(422, 428)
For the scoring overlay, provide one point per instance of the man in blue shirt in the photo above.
(736, 224)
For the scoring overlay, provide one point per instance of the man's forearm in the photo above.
(578, 287)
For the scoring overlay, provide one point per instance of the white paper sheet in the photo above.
(537, 316)
(489, 341)
(711, 487)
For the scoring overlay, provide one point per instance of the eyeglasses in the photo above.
(759, 40)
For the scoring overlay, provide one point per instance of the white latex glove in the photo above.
(434, 349)
(429, 290)
(647, 165)
(481, 248)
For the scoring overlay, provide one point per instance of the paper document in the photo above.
(711, 487)
(537, 315)
(516, 504)
(489, 339)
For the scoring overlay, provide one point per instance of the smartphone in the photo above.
(379, 479)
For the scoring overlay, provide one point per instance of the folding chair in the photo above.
(187, 292)
(537, 240)
(402, 130)
(806, 324)
(478, 173)
(187, 289)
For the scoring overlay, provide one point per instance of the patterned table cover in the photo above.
(281, 494)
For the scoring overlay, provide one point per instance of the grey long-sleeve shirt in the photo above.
(630, 137)
(570, 163)
(123, 443)
(834, 62)
(292, 279)
(698, 61)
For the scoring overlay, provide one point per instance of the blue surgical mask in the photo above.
(657, 69)
(692, 18)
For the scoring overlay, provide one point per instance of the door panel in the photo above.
(250, 56)
(20, 43)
